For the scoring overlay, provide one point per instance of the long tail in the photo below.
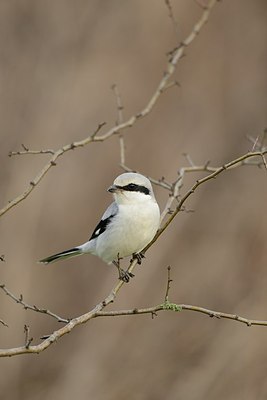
(76, 251)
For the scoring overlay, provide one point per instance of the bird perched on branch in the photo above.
(126, 227)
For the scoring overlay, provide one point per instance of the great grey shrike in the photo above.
(126, 227)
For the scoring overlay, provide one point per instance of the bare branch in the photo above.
(28, 151)
(264, 161)
(73, 323)
(3, 323)
(200, 4)
(26, 306)
(169, 280)
(176, 187)
(51, 163)
(28, 339)
(120, 121)
(97, 312)
(164, 83)
(150, 310)
(171, 15)
(185, 307)
(98, 309)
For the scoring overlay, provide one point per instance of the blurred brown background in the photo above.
(58, 61)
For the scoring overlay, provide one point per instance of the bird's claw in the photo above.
(125, 275)
(138, 257)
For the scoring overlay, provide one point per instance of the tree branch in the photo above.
(73, 323)
(19, 300)
(240, 161)
(183, 307)
(98, 309)
(120, 121)
(164, 83)
(3, 323)
(47, 167)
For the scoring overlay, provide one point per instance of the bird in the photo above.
(127, 226)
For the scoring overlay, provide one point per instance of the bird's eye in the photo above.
(131, 186)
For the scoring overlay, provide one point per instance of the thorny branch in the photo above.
(164, 84)
(28, 339)
(19, 300)
(171, 15)
(251, 158)
(169, 280)
(98, 309)
(47, 167)
(120, 121)
(183, 307)
(3, 323)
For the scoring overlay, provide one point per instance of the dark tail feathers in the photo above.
(60, 256)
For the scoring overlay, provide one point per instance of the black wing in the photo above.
(107, 217)
(101, 227)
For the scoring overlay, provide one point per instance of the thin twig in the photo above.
(3, 323)
(19, 300)
(169, 280)
(185, 307)
(47, 167)
(36, 349)
(120, 121)
(174, 196)
(171, 15)
(264, 160)
(200, 4)
(28, 339)
(28, 151)
(176, 55)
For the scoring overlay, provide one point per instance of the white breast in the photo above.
(130, 231)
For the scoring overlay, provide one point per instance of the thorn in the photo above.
(28, 340)
(214, 315)
(24, 147)
(45, 337)
(100, 125)
(207, 164)
(189, 159)
(4, 323)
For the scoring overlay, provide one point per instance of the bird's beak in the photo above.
(113, 189)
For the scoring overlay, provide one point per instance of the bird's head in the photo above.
(131, 187)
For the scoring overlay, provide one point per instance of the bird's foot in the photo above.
(138, 257)
(125, 275)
